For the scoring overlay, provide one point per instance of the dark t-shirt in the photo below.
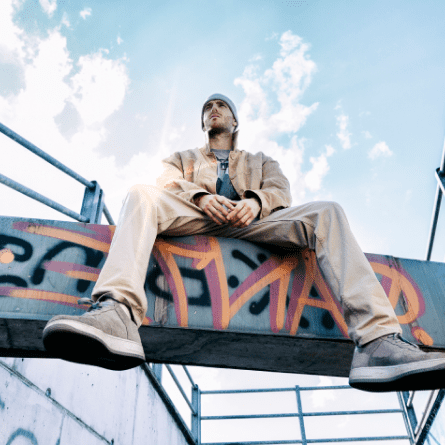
(224, 185)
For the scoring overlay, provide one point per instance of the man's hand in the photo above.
(244, 212)
(212, 206)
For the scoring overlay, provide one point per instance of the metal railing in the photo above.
(93, 201)
(420, 428)
(440, 190)
(301, 415)
(192, 404)
(197, 417)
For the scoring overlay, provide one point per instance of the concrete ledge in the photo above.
(211, 301)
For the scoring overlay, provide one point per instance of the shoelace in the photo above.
(93, 304)
(400, 339)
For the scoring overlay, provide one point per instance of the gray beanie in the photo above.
(227, 101)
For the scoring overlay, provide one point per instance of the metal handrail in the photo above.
(440, 172)
(108, 215)
(36, 150)
(301, 415)
(43, 199)
(90, 185)
(188, 375)
(309, 441)
(197, 418)
(314, 414)
(181, 390)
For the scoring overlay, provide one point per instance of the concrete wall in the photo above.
(51, 402)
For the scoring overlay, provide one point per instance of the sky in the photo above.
(348, 96)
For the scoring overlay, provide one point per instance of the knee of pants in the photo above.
(145, 193)
(332, 209)
(331, 213)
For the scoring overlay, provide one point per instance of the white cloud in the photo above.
(54, 86)
(11, 35)
(48, 6)
(119, 40)
(65, 20)
(343, 134)
(321, 397)
(99, 87)
(408, 195)
(320, 168)
(367, 134)
(85, 13)
(271, 110)
(380, 149)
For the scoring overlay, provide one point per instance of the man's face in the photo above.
(218, 117)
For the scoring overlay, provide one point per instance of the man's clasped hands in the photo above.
(225, 211)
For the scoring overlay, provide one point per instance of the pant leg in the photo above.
(323, 227)
(147, 211)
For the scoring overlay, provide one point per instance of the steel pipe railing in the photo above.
(36, 150)
(181, 390)
(43, 199)
(439, 173)
(301, 415)
(93, 205)
(108, 216)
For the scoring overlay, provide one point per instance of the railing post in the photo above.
(300, 417)
(409, 416)
(439, 176)
(196, 414)
(157, 369)
(93, 203)
(424, 426)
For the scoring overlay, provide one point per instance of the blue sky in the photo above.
(347, 95)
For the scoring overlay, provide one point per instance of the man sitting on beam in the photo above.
(219, 190)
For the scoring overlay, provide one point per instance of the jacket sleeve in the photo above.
(274, 192)
(173, 179)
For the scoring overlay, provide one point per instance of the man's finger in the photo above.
(242, 222)
(227, 202)
(220, 209)
(209, 214)
(216, 215)
(230, 204)
(239, 217)
(233, 214)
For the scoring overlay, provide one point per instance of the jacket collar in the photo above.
(206, 150)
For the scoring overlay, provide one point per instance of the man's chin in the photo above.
(217, 130)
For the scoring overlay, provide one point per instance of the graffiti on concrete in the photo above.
(22, 433)
(289, 286)
(92, 247)
(396, 281)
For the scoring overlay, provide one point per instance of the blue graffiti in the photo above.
(20, 432)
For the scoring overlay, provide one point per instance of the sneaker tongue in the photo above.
(110, 301)
(107, 302)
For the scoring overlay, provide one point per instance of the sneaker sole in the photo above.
(424, 375)
(80, 343)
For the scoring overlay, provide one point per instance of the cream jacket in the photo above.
(194, 172)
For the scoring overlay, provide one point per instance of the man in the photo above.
(219, 190)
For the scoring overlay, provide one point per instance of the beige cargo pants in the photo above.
(321, 226)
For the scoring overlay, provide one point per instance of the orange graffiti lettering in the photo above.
(400, 284)
(300, 296)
